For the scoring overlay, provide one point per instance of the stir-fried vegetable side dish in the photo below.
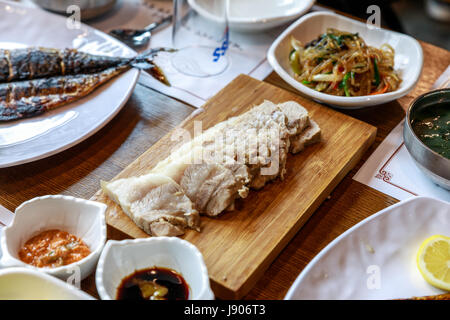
(340, 63)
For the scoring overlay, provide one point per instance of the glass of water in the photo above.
(200, 35)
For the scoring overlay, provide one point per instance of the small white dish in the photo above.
(119, 259)
(254, 15)
(82, 218)
(376, 258)
(29, 284)
(408, 56)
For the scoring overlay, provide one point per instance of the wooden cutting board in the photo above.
(238, 246)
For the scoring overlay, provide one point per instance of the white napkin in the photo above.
(247, 55)
(391, 170)
(247, 52)
(6, 217)
(443, 81)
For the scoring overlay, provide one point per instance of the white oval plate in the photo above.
(376, 259)
(31, 139)
(408, 56)
(255, 15)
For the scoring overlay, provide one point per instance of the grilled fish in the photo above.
(23, 99)
(34, 63)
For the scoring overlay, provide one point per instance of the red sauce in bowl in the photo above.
(53, 248)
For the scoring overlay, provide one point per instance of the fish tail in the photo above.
(148, 55)
(145, 61)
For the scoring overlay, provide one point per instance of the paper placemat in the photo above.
(6, 217)
(391, 170)
(246, 53)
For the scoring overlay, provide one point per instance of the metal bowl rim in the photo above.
(408, 120)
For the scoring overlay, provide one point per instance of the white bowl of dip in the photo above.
(83, 218)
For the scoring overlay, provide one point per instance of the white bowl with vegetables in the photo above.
(346, 63)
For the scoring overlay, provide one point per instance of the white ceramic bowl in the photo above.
(82, 218)
(254, 15)
(121, 258)
(28, 284)
(408, 56)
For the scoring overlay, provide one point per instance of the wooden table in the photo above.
(149, 115)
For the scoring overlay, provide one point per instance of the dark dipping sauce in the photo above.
(153, 284)
(432, 126)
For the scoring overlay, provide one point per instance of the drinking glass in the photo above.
(200, 35)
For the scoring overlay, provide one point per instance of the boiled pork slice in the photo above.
(310, 135)
(296, 115)
(156, 203)
(210, 186)
(291, 119)
(259, 139)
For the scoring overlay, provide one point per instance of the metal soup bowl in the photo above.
(434, 165)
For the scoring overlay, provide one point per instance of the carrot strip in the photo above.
(382, 90)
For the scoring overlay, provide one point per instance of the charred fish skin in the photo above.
(29, 63)
(33, 63)
(33, 81)
(77, 62)
(4, 65)
(20, 65)
(24, 99)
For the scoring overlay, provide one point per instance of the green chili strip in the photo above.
(294, 60)
(377, 73)
(306, 82)
(345, 85)
(335, 38)
(339, 39)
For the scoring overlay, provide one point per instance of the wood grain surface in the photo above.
(238, 246)
(149, 115)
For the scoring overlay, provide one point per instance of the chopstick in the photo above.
(443, 81)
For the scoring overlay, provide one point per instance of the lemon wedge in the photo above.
(433, 261)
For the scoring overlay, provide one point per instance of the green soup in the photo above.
(432, 126)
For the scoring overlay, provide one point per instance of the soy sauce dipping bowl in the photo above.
(119, 259)
(434, 165)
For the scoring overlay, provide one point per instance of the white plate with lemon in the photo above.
(401, 252)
